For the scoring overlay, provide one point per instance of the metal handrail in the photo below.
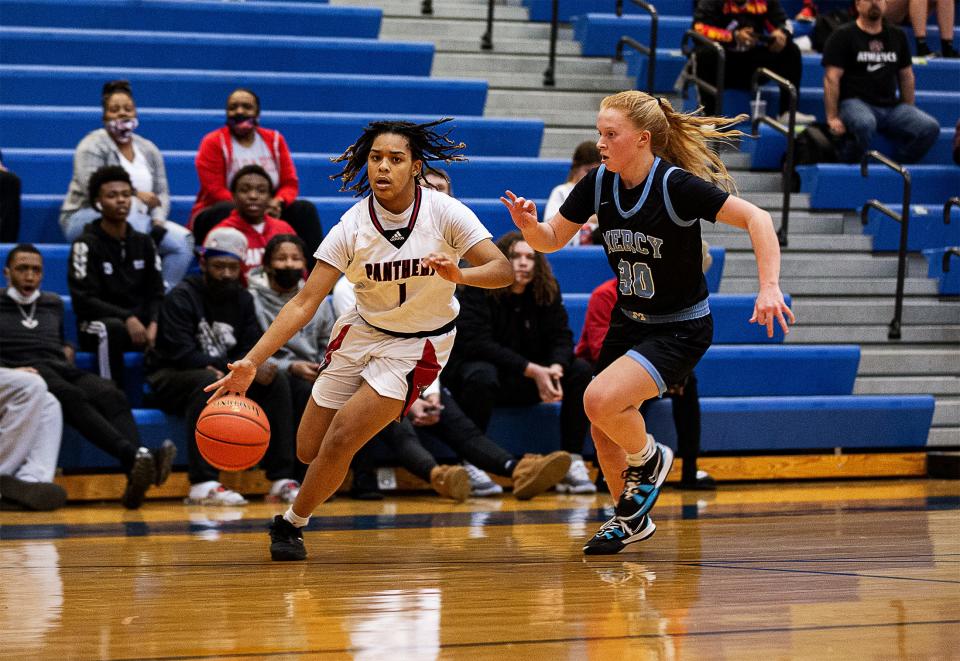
(716, 90)
(486, 41)
(902, 218)
(426, 8)
(951, 202)
(549, 80)
(649, 51)
(786, 87)
(947, 254)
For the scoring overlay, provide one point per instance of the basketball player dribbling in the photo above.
(400, 246)
(657, 179)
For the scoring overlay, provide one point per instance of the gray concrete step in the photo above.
(946, 412)
(441, 9)
(825, 286)
(877, 361)
(875, 334)
(800, 242)
(470, 29)
(859, 310)
(907, 385)
(802, 264)
(944, 437)
(801, 222)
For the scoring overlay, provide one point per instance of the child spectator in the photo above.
(31, 335)
(118, 144)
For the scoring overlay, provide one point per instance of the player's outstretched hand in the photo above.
(770, 306)
(522, 211)
(445, 267)
(239, 378)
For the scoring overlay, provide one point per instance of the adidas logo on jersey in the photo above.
(397, 236)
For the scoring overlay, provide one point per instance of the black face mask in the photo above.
(223, 288)
(287, 278)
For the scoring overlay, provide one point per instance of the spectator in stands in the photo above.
(864, 62)
(117, 144)
(244, 142)
(898, 11)
(585, 157)
(31, 425)
(207, 321)
(439, 180)
(9, 205)
(252, 191)
(114, 277)
(31, 335)
(684, 395)
(956, 143)
(754, 34)
(514, 347)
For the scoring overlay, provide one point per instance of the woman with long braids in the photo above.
(657, 180)
(400, 246)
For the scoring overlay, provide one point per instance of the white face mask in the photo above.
(122, 129)
(20, 298)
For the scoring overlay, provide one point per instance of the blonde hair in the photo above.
(681, 138)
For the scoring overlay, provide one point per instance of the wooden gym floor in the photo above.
(825, 570)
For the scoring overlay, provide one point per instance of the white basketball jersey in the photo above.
(380, 253)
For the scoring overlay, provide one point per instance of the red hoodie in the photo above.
(596, 323)
(213, 159)
(256, 241)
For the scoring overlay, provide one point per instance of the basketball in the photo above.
(232, 433)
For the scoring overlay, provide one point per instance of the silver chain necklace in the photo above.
(28, 320)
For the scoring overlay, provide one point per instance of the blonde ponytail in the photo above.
(681, 138)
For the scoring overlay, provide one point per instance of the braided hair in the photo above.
(425, 143)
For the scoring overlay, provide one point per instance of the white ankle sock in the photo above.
(295, 519)
(644, 455)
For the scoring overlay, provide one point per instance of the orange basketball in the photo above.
(232, 433)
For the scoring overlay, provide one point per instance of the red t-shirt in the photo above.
(597, 320)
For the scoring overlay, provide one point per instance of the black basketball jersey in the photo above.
(651, 235)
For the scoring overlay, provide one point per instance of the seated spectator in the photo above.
(439, 180)
(31, 335)
(9, 205)
(114, 277)
(898, 11)
(252, 190)
(514, 348)
(117, 144)
(585, 157)
(207, 321)
(754, 34)
(244, 142)
(864, 62)
(684, 396)
(31, 425)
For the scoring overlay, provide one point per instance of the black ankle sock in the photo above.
(510, 466)
(922, 48)
(946, 47)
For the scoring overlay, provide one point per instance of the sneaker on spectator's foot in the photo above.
(163, 458)
(451, 482)
(536, 473)
(286, 540)
(641, 484)
(214, 493)
(481, 485)
(702, 482)
(141, 477)
(283, 491)
(37, 496)
(802, 119)
(577, 479)
(616, 534)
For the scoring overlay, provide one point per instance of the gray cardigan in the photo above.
(98, 149)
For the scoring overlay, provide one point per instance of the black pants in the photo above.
(9, 207)
(109, 339)
(301, 215)
(740, 66)
(478, 386)
(454, 429)
(181, 392)
(96, 408)
(686, 419)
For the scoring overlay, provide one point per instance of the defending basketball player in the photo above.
(657, 180)
(400, 246)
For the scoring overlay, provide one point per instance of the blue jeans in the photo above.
(911, 130)
(175, 249)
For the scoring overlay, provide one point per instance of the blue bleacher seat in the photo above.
(78, 454)
(55, 259)
(118, 48)
(839, 186)
(182, 129)
(196, 16)
(948, 283)
(926, 230)
(542, 10)
(133, 370)
(777, 370)
(192, 88)
(598, 34)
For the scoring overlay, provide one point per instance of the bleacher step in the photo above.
(872, 334)
(468, 30)
(799, 264)
(875, 361)
(801, 222)
(903, 385)
(740, 240)
(441, 9)
(826, 286)
(859, 310)
(946, 412)
(941, 437)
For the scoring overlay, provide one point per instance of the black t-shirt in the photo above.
(871, 63)
(652, 240)
(37, 341)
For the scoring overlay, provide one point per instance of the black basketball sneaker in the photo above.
(641, 486)
(616, 534)
(286, 540)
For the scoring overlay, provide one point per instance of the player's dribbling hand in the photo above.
(238, 380)
(445, 267)
(770, 306)
(522, 211)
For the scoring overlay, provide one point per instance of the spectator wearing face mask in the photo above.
(118, 144)
(241, 142)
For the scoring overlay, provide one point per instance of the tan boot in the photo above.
(536, 473)
(451, 482)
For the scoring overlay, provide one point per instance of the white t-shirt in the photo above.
(140, 176)
(557, 197)
(393, 290)
(256, 154)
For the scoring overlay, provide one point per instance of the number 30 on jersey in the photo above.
(635, 279)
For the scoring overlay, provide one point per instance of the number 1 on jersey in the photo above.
(403, 292)
(636, 279)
